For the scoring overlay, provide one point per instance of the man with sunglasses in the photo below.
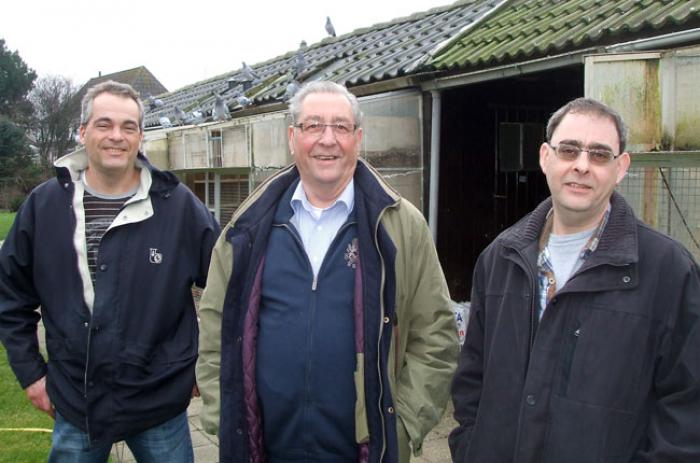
(326, 328)
(583, 342)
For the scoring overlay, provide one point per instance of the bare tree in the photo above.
(56, 117)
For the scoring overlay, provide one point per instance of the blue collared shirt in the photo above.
(317, 227)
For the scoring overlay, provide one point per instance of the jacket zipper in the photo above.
(533, 299)
(314, 283)
(85, 382)
(397, 347)
(381, 321)
(301, 245)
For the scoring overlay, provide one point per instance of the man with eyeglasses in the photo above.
(326, 328)
(583, 342)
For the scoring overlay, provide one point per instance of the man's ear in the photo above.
(623, 164)
(290, 138)
(544, 152)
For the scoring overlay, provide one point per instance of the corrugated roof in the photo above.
(524, 29)
(366, 55)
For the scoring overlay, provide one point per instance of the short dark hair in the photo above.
(114, 88)
(589, 106)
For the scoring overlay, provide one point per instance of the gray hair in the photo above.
(113, 88)
(323, 86)
(589, 106)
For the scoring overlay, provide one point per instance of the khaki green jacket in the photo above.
(424, 345)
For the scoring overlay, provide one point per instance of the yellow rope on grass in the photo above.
(26, 430)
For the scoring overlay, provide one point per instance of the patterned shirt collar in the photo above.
(545, 271)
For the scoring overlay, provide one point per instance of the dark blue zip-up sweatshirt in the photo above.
(306, 347)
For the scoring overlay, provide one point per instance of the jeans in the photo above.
(167, 442)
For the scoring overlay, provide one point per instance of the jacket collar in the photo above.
(154, 180)
(368, 182)
(372, 185)
(617, 245)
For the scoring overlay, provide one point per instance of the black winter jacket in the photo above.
(130, 364)
(612, 372)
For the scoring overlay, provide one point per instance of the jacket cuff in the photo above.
(28, 373)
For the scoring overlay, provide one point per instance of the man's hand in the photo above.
(195, 390)
(36, 392)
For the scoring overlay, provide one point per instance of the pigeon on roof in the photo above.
(197, 116)
(182, 116)
(165, 121)
(153, 102)
(248, 73)
(302, 45)
(292, 88)
(329, 27)
(220, 111)
(299, 63)
(244, 101)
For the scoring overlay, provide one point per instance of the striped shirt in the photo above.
(100, 211)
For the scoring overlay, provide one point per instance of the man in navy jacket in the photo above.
(109, 249)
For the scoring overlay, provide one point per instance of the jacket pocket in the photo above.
(141, 364)
(608, 359)
(569, 348)
(64, 360)
(580, 432)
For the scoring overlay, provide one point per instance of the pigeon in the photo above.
(292, 88)
(165, 122)
(302, 45)
(197, 117)
(299, 63)
(248, 73)
(220, 111)
(244, 101)
(182, 116)
(154, 102)
(329, 27)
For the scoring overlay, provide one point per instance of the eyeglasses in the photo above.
(339, 129)
(598, 156)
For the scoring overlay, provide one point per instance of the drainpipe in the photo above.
(217, 197)
(434, 163)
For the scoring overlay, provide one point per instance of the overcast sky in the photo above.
(180, 45)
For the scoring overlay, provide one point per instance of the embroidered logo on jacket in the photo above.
(154, 256)
(352, 253)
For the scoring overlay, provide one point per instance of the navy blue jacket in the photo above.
(128, 365)
(306, 388)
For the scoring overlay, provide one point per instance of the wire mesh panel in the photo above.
(668, 199)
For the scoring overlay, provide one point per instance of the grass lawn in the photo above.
(6, 219)
(17, 412)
